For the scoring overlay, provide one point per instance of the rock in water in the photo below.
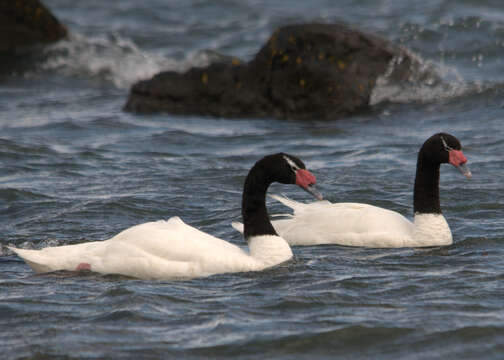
(25, 23)
(321, 71)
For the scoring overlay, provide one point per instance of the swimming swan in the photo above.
(355, 224)
(172, 249)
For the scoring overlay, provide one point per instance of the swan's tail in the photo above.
(238, 226)
(286, 201)
(33, 258)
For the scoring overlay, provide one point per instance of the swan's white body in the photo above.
(354, 224)
(172, 249)
(161, 250)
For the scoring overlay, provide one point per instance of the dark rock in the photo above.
(304, 71)
(25, 23)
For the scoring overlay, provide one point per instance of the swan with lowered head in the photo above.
(355, 224)
(172, 249)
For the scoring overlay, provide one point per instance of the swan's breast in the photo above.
(431, 230)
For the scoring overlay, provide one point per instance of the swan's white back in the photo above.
(355, 224)
(349, 224)
(160, 250)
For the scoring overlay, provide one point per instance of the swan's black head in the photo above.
(443, 148)
(288, 169)
(282, 168)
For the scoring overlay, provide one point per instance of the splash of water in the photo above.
(113, 58)
(120, 61)
(428, 82)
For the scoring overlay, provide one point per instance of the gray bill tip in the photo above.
(464, 169)
(314, 192)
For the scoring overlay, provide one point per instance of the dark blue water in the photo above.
(75, 168)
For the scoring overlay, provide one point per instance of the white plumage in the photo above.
(161, 250)
(354, 224)
(360, 224)
(172, 249)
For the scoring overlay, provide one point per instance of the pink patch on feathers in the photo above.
(83, 266)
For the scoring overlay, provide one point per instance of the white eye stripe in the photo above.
(446, 147)
(291, 163)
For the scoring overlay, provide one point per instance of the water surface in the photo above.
(76, 168)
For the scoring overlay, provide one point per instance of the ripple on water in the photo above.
(76, 168)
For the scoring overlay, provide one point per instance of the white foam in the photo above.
(114, 58)
(428, 82)
(119, 60)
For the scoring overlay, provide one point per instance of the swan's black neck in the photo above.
(426, 192)
(255, 216)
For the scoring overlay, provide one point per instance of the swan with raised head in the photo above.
(172, 249)
(355, 224)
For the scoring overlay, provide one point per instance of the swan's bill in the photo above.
(313, 191)
(457, 159)
(464, 169)
(306, 181)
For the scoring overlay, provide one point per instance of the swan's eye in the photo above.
(292, 164)
(445, 145)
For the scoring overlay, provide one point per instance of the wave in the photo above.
(464, 53)
(118, 60)
(428, 82)
(114, 58)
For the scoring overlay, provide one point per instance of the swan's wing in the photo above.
(175, 240)
(161, 249)
(351, 224)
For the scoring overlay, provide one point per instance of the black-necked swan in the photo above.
(354, 224)
(172, 249)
